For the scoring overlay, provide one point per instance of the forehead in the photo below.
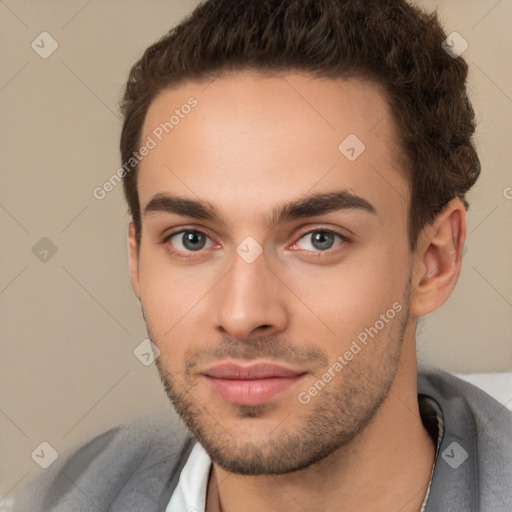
(251, 141)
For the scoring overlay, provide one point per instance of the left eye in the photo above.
(319, 240)
(189, 241)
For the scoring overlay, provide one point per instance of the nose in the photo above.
(250, 300)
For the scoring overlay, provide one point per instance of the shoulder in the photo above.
(133, 466)
(474, 464)
(461, 400)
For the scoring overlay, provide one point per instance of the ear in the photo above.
(438, 259)
(133, 255)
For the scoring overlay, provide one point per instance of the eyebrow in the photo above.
(307, 206)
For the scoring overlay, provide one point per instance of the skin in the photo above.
(252, 143)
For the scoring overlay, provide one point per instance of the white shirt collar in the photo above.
(190, 493)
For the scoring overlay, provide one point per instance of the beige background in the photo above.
(70, 325)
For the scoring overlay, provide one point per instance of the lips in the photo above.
(250, 383)
(249, 372)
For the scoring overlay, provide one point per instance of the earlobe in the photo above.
(133, 255)
(438, 259)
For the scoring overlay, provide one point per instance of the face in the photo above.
(273, 268)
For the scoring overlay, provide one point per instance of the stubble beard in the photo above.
(336, 416)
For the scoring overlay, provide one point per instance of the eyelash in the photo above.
(188, 255)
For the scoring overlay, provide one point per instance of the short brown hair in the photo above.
(389, 42)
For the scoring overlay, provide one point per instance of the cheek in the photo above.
(167, 292)
(168, 301)
(345, 299)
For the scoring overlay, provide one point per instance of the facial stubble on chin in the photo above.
(335, 417)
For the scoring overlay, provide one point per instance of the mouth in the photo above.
(253, 383)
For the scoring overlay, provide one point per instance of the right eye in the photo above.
(187, 241)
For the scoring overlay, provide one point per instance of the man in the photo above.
(296, 173)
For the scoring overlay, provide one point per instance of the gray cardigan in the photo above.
(136, 467)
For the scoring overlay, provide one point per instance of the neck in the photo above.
(386, 467)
